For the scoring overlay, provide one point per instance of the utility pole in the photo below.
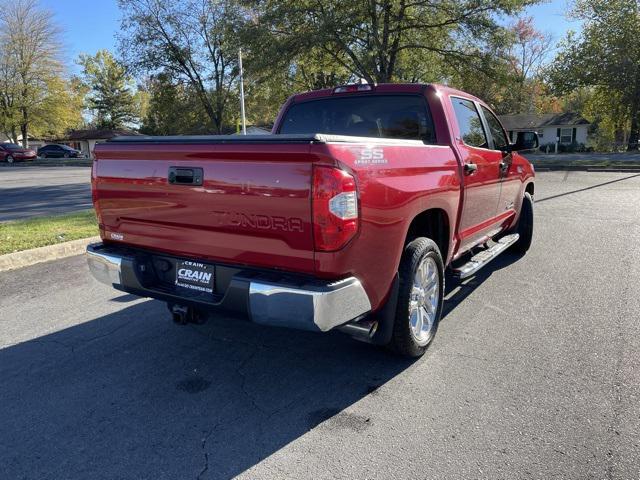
(244, 121)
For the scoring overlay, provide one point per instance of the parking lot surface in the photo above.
(535, 372)
(39, 191)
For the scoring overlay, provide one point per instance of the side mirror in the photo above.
(525, 141)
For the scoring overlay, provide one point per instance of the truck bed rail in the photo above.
(267, 139)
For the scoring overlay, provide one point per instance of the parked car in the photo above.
(345, 218)
(12, 152)
(54, 150)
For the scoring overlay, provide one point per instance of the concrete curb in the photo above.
(12, 261)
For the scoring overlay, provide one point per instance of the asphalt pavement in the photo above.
(594, 157)
(534, 373)
(38, 191)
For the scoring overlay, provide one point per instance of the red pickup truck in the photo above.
(345, 217)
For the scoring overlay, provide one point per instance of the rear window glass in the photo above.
(384, 116)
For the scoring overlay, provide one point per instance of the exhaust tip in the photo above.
(362, 330)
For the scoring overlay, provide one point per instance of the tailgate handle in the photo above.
(185, 176)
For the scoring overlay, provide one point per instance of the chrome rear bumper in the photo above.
(104, 266)
(294, 302)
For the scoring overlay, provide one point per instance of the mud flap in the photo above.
(386, 316)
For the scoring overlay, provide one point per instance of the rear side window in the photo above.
(469, 122)
(385, 116)
(497, 132)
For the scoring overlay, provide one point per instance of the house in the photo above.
(553, 128)
(254, 130)
(85, 140)
(34, 143)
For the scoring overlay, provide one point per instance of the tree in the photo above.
(526, 56)
(371, 38)
(29, 63)
(527, 53)
(60, 110)
(173, 109)
(111, 95)
(605, 57)
(191, 41)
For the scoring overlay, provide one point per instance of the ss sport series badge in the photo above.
(370, 156)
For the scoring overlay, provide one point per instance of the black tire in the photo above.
(9, 159)
(43, 155)
(66, 155)
(403, 341)
(525, 225)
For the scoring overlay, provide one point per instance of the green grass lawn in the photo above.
(37, 232)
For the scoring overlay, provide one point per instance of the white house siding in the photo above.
(549, 134)
(86, 146)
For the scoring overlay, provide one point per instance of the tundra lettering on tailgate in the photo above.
(260, 222)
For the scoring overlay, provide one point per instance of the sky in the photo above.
(90, 25)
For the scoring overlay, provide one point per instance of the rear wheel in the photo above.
(43, 155)
(420, 298)
(525, 225)
(66, 155)
(9, 159)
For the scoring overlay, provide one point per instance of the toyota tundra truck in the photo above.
(346, 216)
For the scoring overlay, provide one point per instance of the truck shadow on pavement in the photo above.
(132, 395)
(457, 291)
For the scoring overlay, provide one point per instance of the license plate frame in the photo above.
(196, 276)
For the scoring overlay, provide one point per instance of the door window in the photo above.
(500, 141)
(471, 129)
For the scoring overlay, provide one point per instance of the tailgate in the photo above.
(251, 205)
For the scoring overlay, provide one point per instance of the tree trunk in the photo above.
(24, 128)
(634, 133)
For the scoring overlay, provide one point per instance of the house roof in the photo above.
(524, 121)
(94, 134)
(255, 130)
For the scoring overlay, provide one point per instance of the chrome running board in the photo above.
(483, 258)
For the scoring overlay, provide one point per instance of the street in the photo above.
(39, 191)
(586, 157)
(534, 373)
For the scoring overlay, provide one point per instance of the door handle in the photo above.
(470, 168)
(185, 176)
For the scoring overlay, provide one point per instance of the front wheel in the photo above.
(525, 225)
(9, 159)
(420, 298)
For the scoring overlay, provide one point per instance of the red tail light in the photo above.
(335, 208)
